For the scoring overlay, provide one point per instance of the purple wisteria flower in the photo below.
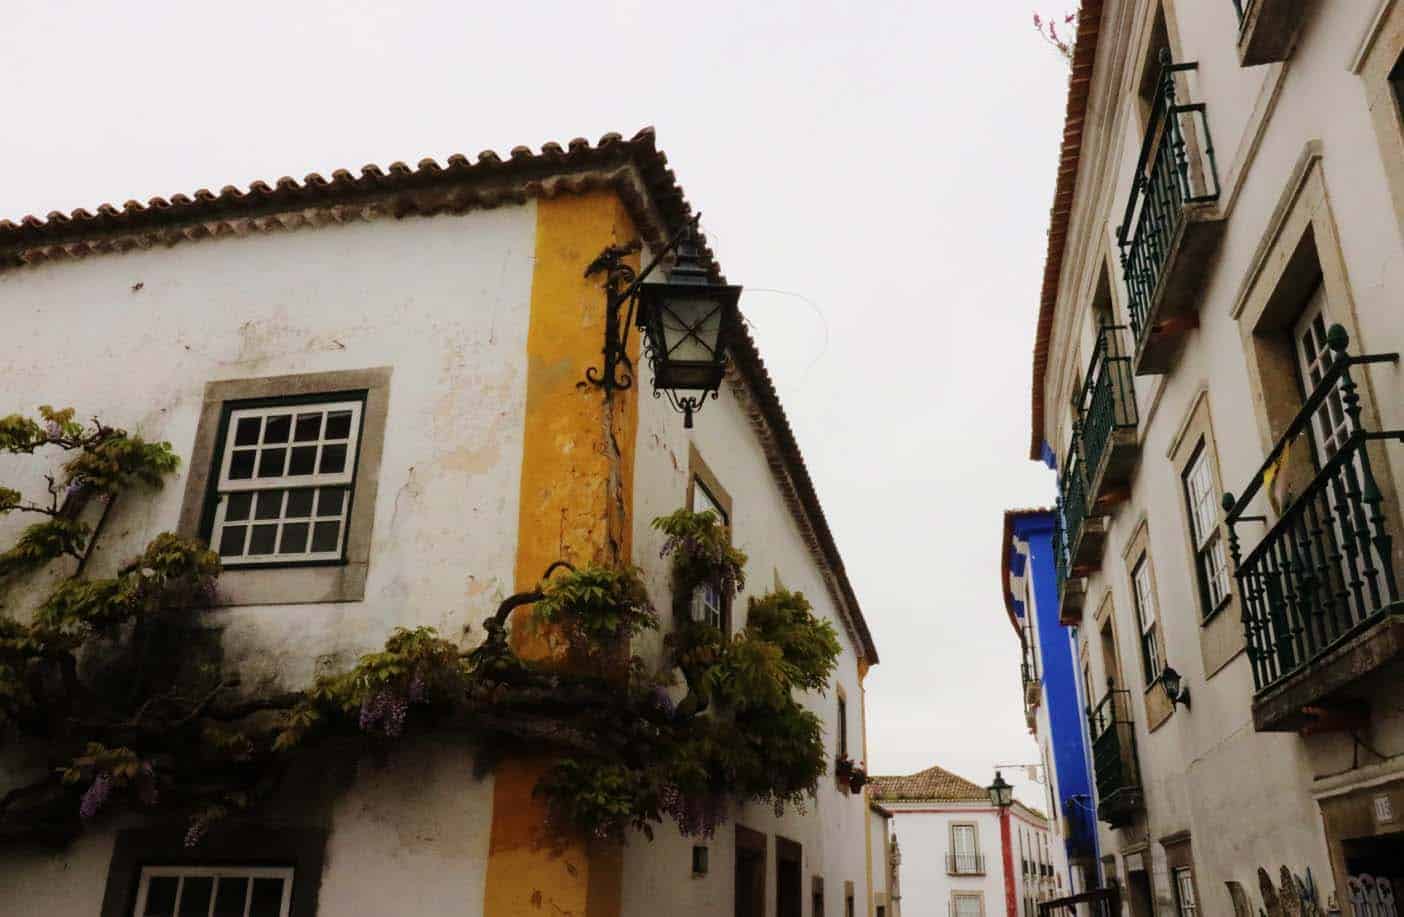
(95, 796)
(386, 711)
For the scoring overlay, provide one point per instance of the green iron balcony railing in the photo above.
(1073, 485)
(1108, 399)
(1060, 547)
(1114, 756)
(1176, 169)
(1325, 569)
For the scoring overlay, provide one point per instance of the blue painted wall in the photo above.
(1065, 713)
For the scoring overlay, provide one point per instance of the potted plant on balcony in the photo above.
(857, 778)
(843, 767)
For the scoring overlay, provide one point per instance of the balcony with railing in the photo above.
(1320, 589)
(1072, 590)
(1171, 225)
(1108, 418)
(1102, 902)
(1080, 534)
(965, 864)
(1114, 767)
(1267, 29)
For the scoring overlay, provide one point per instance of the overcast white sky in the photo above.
(892, 163)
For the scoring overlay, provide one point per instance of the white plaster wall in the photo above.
(925, 838)
(832, 830)
(445, 302)
(1208, 761)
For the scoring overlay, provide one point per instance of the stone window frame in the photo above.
(975, 842)
(1180, 855)
(1138, 551)
(301, 848)
(977, 895)
(1220, 628)
(1379, 63)
(301, 583)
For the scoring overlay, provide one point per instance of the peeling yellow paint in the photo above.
(575, 505)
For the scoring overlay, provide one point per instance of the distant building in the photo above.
(1053, 702)
(962, 856)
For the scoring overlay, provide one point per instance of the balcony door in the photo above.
(1330, 428)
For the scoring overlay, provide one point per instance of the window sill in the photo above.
(291, 584)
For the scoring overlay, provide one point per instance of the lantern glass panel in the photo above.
(691, 328)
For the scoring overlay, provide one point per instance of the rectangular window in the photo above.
(965, 852)
(966, 906)
(226, 891)
(285, 479)
(842, 727)
(1210, 558)
(817, 897)
(1145, 619)
(1184, 892)
(709, 605)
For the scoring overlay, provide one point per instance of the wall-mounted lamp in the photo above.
(687, 323)
(1175, 687)
(699, 860)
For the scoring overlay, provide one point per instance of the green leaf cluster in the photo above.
(702, 552)
(599, 606)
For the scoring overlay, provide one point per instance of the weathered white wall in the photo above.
(1203, 763)
(445, 302)
(832, 831)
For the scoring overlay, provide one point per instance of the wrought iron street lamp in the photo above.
(1175, 687)
(1001, 793)
(688, 322)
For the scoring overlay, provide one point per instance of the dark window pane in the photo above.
(294, 538)
(238, 506)
(270, 504)
(299, 503)
(267, 898)
(195, 896)
(277, 428)
(231, 541)
(330, 500)
(338, 425)
(263, 539)
(304, 460)
(160, 895)
(246, 432)
(324, 536)
(230, 895)
(241, 465)
(309, 427)
(270, 463)
(334, 459)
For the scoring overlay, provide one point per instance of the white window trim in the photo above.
(1205, 529)
(226, 486)
(217, 872)
(1144, 600)
(1183, 877)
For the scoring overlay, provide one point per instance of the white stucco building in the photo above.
(434, 324)
(961, 855)
(1226, 225)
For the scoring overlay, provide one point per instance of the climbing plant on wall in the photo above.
(115, 687)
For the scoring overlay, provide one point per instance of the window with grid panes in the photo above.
(1145, 618)
(1184, 892)
(226, 891)
(285, 481)
(1209, 555)
(708, 603)
(966, 906)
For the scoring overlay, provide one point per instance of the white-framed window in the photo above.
(286, 476)
(1184, 891)
(965, 850)
(708, 603)
(210, 891)
(1209, 554)
(1145, 618)
(1330, 427)
(967, 906)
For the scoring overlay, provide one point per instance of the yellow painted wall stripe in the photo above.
(575, 505)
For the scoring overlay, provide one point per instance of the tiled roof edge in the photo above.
(1089, 22)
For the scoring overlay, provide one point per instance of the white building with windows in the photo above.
(1216, 380)
(377, 384)
(961, 855)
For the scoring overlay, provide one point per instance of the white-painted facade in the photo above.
(945, 874)
(444, 303)
(1308, 149)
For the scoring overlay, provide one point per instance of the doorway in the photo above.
(750, 873)
(789, 884)
(1375, 874)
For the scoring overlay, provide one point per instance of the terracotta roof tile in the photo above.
(935, 784)
(635, 169)
(1089, 23)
